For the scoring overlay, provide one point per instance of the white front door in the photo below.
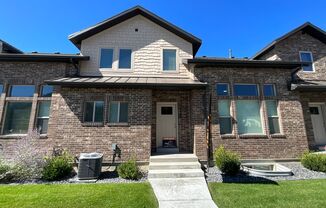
(166, 125)
(318, 123)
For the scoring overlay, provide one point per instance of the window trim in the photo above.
(177, 67)
(131, 61)
(312, 61)
(228, 88)
(239, 83)
(118, 114)
(99, 59)
(93, 112)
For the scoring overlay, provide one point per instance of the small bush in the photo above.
(129, 170)
(228, 162)
(316, 162)
(58, 167)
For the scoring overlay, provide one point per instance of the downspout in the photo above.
(76, 67)
(293, 77)
(207, 101)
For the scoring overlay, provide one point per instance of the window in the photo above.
(169, 60)
(225, 117)
(17, 117)
(46, 91)
(94, 111)
(222, 89)
(1, 88)
(269, 90)
(125, 59)
(22, 91)
(245, 90)
(166, 110)
(307, 57)
(106, 58)
(42, 119)
(272, 114)
(118, 112)
(248, 117)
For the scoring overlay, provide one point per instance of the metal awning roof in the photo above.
(123, 81)
(309, 85)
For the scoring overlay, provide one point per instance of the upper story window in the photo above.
(125, 59)
(245, 90)
(106, 58)
(1, 88)
(306, 56)
(169, 59)
(269, 90)
(46, 91)
(222, 89)
(22, 91)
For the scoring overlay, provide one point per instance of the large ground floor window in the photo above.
(248, 117)
(17, 117)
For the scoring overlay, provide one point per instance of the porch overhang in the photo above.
(131, 82)
(309, 86)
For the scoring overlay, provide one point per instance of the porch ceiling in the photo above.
(116, 81)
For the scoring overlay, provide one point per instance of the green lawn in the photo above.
(78, 195)
(307, 193)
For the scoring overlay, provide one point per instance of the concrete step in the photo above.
(175, 173)
(174, 158)
(173, 165)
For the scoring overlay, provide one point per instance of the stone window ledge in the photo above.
(228, 136)
(278, 136)
(118, 124)
(93, 124)
(253, 136)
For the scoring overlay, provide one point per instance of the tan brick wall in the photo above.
(293, 140)
(147, 45)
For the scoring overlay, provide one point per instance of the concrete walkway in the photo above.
(182, 192)
(178, 182)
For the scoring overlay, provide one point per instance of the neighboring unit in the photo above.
(137, 87)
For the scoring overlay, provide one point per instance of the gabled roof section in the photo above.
(77, 37)
(7, 48)
(307, 27)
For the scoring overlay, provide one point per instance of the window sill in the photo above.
(278, 136)
(228, 136)
(91, 124)
(118, 124)
(253, 136)
(12, 136)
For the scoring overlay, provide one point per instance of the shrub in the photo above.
(228, 162)
(316, 162)
(129, 170)
(58, 167)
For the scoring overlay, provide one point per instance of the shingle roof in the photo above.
(132, 81)
(42, 57)
(307, 27)
(77, 37)
(7, 48)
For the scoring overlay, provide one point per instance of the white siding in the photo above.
(147, 45)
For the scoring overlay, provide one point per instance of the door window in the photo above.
(167, 110)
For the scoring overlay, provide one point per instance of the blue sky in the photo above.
(243, 26)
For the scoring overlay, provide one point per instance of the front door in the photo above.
(318, 123)
(166, 125)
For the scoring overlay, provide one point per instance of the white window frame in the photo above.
(99, 59)
(257, 86)
(94, 107)
(176, 60)
(118, 114)
(131, 60)
(312, 61)
(42, 117)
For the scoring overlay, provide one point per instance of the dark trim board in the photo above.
(38, 57)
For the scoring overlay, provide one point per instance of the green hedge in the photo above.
(58, 167)
(316, 162)
(129, 170)
(227, 161)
